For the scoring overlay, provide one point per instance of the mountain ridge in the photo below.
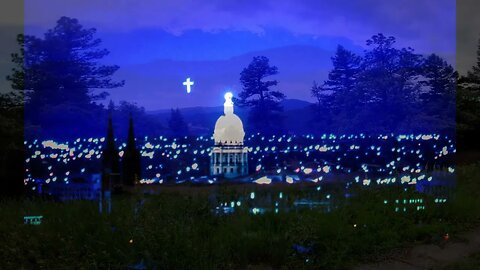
(201, 120)
(287, 104)
(161, 86)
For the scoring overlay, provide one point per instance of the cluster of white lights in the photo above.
(317, 156)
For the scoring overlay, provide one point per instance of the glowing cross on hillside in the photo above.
(188, 84)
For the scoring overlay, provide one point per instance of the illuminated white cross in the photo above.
(188, 84)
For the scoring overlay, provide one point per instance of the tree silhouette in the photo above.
(474, 74)
(468, 107)
(323, 109)
(439, 100)
(131, 169)
(60, 73)
(342, 80)
(264, 102)
(176, 123)
(339, 96)
(387, 90)
(12, 155)
(17, 78)
(63, 66)
(110, 159)
(389, 80)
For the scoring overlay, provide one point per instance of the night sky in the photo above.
(158, 44)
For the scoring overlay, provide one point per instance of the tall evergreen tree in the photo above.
(264, 102)
(343, 96)
(64, 65)
(389, 80)
(12, 154)
(323, 110)
(474, 74)
(342, 80)
(111, 106)
(384, 90)
(178, 126)
(439, 100)
(17, 78)
(131, 168)
(61, 72)
(110, 159)
(468, 107)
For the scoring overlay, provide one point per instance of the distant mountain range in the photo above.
(158, 84)
(201, 120)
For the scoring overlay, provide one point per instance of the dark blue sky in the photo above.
(159, 43)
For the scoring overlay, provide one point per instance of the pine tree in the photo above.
(12, 154)
(17, 78)
(439, 100)
(322, 118)
(474, 74)
(62, 73)
(343, 78)
(110, 159)
(178, 126)
(440, 77)
(342, 83)
(390, 80)
(468, 107)
(64, 66)
(264, 103)
(131, 168)
(111, 106)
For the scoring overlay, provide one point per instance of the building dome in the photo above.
(229, 127)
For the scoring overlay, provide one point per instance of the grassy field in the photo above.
(178, 231)
(470, 263)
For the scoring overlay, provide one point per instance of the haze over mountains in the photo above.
(201, 120)
(158, 84)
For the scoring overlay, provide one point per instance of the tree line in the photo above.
(386, 89)
(60, 84)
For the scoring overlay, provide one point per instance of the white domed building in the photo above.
(229, 156)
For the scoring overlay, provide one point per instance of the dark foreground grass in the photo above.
(173, 231)
(469, 263)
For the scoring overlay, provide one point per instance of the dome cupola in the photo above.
(229, 127)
